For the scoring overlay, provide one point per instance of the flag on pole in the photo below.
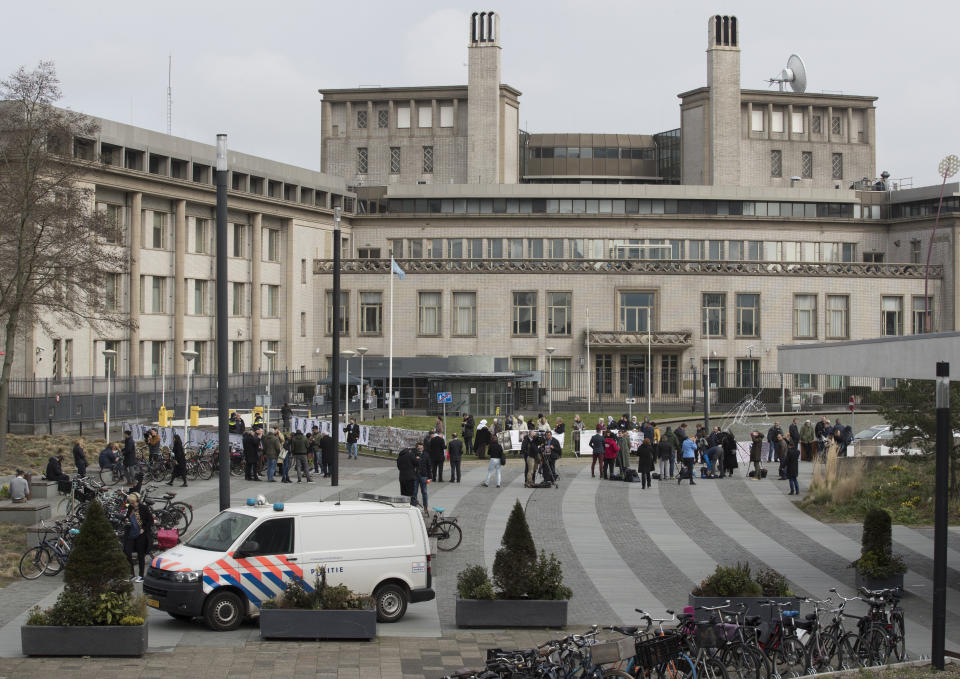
(395, 268)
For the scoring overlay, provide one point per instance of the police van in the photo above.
(376, 545)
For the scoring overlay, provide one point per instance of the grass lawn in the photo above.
(12, 546)
(30, 452)
(951, 670)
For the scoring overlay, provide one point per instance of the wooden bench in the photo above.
(25, 513)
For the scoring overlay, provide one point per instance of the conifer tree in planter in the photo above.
(96, 613)
(530, 590)
(878, 567)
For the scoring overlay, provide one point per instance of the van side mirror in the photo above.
(248, 547)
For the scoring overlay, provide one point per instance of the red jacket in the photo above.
(610, 448)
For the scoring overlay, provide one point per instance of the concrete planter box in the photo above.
(879, 583)
(292, 623)
(753, 603)
(100, 641)
(501, 613)
(25, 513)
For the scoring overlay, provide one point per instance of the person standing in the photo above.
(807, 439)
(482, 440)
(407, 472)
(286, 414)
(235, 423)
(129, 457)
(455, 448)
(780, 454)
(793, 469)
(438, 425)
(137, 537)
(80, 458)
(530, 454)
(437, 447)
(795, 432)
(610, 452)
(328, 449)
(251, 454)
(623, 455)
(467, 429)
(688, 454)
(353, 436)
(553, 451)
(756, 453)
(285, 459)
(271, 451)
(645, 462)
(298, 448)
(497, 461)
(153, 446)
(821, 433)
(577, 433)
(314, 449)
(665, 454)
(729, 453)
(671, 436)
(180, 459)
(423, 474)
(771, 439)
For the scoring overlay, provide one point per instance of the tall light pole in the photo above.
(940, 518)
(347, 353)
(550, 351)
(363, 389)
(109, 356)
(270, 354)
(189, 357)
(223, 367)
(335, 350)
(947, 168)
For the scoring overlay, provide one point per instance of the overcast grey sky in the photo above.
(252, 69)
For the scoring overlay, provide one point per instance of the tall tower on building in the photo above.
(723, 81)
(484, 142)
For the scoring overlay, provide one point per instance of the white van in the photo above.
(244, 555)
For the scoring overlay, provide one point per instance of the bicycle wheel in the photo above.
(899, 640)
(449, 536)
(680, 667)
(108, 476)
(847, 651)
(821, 653)
(789, 659)
(874, 647)
(55, 567)
(34, 562)
(67, 505)
(710, 667)
(185, 508)
(205, 470)
(742, 661)
(193, 470)
(614, 672)
(236, 467)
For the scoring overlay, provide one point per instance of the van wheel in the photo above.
(222, 611)
(391, 603)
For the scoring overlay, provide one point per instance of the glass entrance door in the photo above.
(633, 373)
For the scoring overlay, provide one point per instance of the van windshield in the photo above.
(221, 532)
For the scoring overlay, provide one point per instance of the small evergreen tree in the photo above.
(516, 558)
(97, 564)
(877, 535)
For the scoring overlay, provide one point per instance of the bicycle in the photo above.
(658, 652)
(783, 648)
(112, 474)
(446, 531)
(830, 647)
(882, 634)
(82, 491)
(703, 639)
(50, 556)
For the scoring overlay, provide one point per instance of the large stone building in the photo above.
(702, 247)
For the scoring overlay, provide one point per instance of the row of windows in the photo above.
(629, 206)
(156, 296)
(806, 164)
(608, 152)
(637, 310)
(424, 116)
(776, 120)
(599, 248)
(363, 160)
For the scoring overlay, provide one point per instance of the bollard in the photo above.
(81, 428)
(50, 425)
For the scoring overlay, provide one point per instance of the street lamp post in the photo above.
(947, 168)
(270, 354)
(363, 389)
(335, 348)
(941, 514)
(550, 351)
(347, 353)
(223, 367)
(109, 356)
(189, 357)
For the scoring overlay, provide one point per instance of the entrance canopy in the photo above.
(910, 357)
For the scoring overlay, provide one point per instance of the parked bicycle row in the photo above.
(720, 642)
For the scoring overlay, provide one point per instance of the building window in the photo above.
(394, 160)
(396, 247)
(603, 366)
(715, 250)
(696, 249)
(201, 235)
(669, 374)
(515, 248)
(796, 123)
(303, 271)
(368, 253)
(371, 313)
(748, 315)
(464, 314)
(403, 117)
(535, 248)
(915, 251)
(776, 163)
(435, 248)
(201, 295)
(559, 313)
(716, 371)
(776, 121)
(158, 234)
(835, 125)
(303, 323)
(425, 116)
(754, 249)
(271, 302)
(920, 306)
(525, 313)
(272, 249)
(804, 381)
(157, 356)
(157, 296)
(873, 257)
(416, 248)
(113, 223)
(362, 119)
(816, 125)
(837, 164)
(636, 310)
(756, 121)
(427, 159)
(714, 314)
(556, 248)
(805, 316)
(495, 248)
(362, 160)
(838, 314)
(446, 115)
(239, 240)
(806, 164)
(748, 373)
(383, 118)
(200, 362)
(455, 248)
(475, 248)
(270, 362)
(239, 299)
(111, 292)
(110, 364)
(344, 312)
(428, 313)
(237, 357)
(559, 369)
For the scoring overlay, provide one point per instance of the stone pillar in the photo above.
(179, 283)
(788, 124)
(829, 123)
(769, 121)
(136, 233)
(809, 128)
(851, 135)
(749, 119)
(255, 292)
(286, 359)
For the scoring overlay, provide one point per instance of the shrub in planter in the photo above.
(546, 579)
(322, 597)
(474, 583)
(877, 560)
(727, 581)
(321, 612)
(772, 583)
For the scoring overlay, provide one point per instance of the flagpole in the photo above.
(390, 369)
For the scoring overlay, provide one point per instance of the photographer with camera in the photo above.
(756, 453)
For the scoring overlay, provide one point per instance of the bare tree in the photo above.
(55, 247)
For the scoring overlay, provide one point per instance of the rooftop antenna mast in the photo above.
(169, 93)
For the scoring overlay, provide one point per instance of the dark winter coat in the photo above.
(129, 452)
(665, 449)
(179, 455)
(328, 449)
(645, 456)
(794, 434)
(496, 450)
(298, 445)
(423, 464)
(482, 438)
(437, 446)
(756, 449)
(406, 463)
(596, 444)
(792, 466)
(456, 450)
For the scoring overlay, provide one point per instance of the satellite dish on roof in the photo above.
(795, 73)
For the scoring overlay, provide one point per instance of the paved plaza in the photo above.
(622, 548)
